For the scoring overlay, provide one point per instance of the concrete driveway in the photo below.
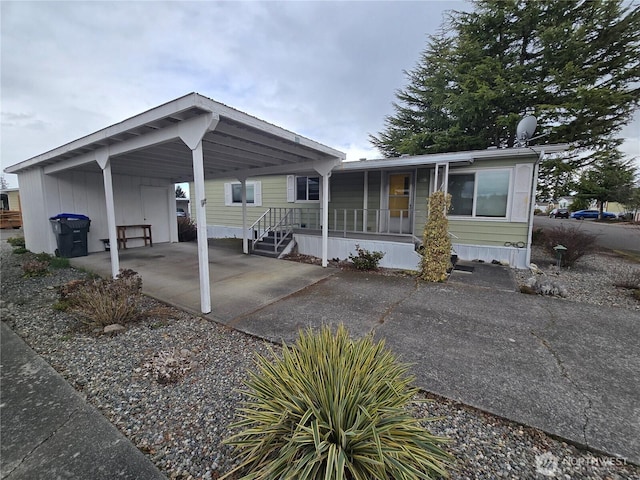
(239, 283)
(570, 369)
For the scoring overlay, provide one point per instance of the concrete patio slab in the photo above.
(240, 283)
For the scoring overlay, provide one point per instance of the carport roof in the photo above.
(149, 145)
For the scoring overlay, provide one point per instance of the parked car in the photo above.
(559, 213)
(181, 213)
(582, 214)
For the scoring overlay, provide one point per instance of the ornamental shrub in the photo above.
(16, 241)
(331, 407)
(101, 302)
(187, 231)
(577, 242)
(33, 267)
(436, 254)
(366, 260)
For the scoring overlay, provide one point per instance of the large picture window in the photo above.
(479, 194)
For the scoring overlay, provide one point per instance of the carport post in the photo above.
(102, 157)
(191, 133)
(201, 220)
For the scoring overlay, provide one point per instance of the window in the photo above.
(479, 194)
(233, 194)
(303, 189)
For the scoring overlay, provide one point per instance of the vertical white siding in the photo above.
(44, 196)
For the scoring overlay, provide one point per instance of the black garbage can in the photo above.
(71, 234)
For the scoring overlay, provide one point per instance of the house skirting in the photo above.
(516, 257)
(403, 255)
(397, 255)
(222, 231)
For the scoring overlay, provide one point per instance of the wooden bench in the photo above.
(123, 238)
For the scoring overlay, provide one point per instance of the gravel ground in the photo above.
(591, 280)
(180, 426)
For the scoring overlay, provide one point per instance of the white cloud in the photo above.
(327, 70)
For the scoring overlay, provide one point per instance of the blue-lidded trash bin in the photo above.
(71, 234)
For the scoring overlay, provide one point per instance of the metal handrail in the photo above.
(273, 221)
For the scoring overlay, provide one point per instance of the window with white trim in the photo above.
(479, 194)
(233, 193)
(303, 189)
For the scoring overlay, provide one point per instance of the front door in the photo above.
(399, 213)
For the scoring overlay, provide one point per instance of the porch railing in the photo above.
(359, 220)
(275, 222)
(279, 222)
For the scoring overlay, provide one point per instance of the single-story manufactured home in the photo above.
(381, 205)
(257, 181)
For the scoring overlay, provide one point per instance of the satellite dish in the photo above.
(526, 128)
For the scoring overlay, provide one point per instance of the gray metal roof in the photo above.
(240, 144)
(451, 158)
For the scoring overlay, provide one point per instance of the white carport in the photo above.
(189, 139)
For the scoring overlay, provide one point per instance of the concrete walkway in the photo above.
(49, 431)
(570, 369)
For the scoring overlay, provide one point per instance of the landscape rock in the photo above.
(114, 328)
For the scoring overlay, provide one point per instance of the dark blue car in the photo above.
(582, 214)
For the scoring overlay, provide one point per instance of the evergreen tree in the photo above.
(180, 193)
(611, 179)
(575, 64)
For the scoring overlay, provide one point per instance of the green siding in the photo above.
(480, 232)
(274, 195)
(347, 194)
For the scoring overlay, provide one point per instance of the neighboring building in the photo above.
(382, 205)
(182, 207)
(10, 199)
(565, 202)
(10, 208)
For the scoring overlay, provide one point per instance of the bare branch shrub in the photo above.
(577, 242)
(101, 302)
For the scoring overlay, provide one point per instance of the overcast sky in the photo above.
(326, 70)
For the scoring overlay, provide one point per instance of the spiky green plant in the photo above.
(333, 408)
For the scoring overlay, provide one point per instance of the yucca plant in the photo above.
(333, 408)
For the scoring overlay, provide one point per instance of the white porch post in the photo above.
(365, 201)
(532, 206)
(245, 241)
(325, 218)
(324, 168)
(191, 133)
(102, 157)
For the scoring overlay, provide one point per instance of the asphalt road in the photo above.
(613, 235)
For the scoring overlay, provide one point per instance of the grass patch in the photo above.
(629, 255)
